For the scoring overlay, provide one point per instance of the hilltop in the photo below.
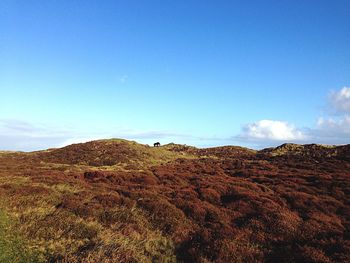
(113, 152)
(120, 201)
(310, 150)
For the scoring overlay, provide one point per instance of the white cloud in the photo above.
(20, 135)
(271, 130)
(332, 130)
(334, 127)
(340, 100)
(340, 124)
(14, 127)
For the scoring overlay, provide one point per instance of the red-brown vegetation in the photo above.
(224, 204)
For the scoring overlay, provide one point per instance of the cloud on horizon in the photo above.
(333, 128)
(18, 135)
(271, 130)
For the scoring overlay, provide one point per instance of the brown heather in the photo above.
(119, 201)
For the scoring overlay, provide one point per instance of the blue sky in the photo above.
(252, 73)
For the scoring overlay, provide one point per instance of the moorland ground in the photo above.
(120, 201)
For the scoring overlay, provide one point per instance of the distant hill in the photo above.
(118, 151)
(110, 152)
(310, 150)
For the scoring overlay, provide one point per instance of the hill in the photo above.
(113, 152)
(120, 201)
(316, 151)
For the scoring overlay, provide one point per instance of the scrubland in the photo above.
(119, 201)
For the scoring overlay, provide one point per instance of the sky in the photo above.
(205, 73)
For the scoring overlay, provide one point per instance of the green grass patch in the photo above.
(13, 248)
